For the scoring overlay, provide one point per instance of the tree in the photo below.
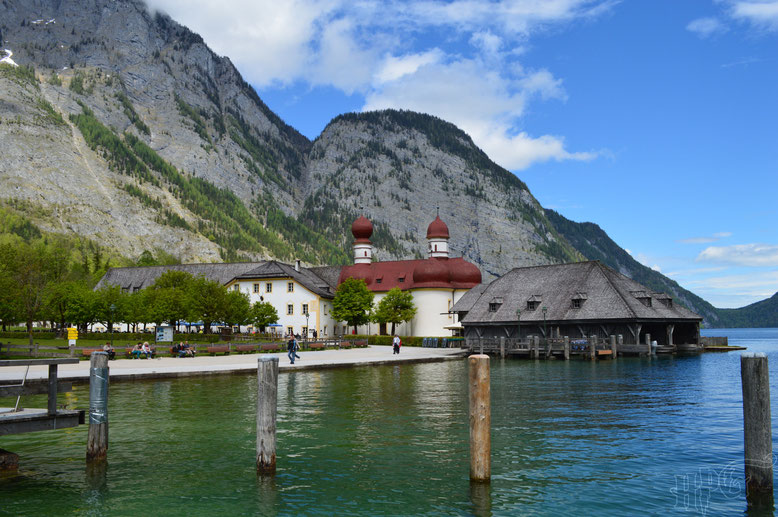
(81, 309)
(353, 302)
(167, 299)
(207, 301)
(395, 308)
(238, 309)
(263, 314)
(109, 305)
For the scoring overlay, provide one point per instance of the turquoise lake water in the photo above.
(626, 437)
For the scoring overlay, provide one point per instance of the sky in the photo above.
(655, 119)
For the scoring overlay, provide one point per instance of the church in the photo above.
(302, 296)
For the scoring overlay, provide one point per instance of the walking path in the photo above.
(166, 367)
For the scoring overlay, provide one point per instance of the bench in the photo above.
(128, 353)
(88, 351)
(270, 346)
(218, 349)
(316, 346)
(360, 344)
(245, 348)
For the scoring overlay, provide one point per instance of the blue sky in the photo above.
(657, 120)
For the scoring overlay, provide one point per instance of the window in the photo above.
(379, 280)
(401, 279)
(577, 303)
(493, 306)
(305, 332)
(325, 330)
(668, 302)
(256, 288)
(236, 287)
(305, 308)
(289, 331)
(268, 287)
(289, 309)
(290, 287)
(532, 305)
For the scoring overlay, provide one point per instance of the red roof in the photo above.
(445, 273)
(437, 229)
(362, 229)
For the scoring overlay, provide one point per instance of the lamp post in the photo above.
(518, 322)
(545, 330)
(112, 308)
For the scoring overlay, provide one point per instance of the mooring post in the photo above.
(481, 345)
(757, 429)
(480, 419)
(502, 347)
(267, 401)
(648, 344)
(592, 347)
(97, 440)
(613, 347)
(536, 343)
(567, 348)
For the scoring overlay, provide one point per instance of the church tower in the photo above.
(437, 237)
(362, 229)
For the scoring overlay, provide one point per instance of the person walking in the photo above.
(396, 343)
(292, 346)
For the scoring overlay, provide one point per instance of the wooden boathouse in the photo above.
(594, 309)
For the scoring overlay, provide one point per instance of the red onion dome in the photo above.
(437, 229)
(362, 228)
(431, 270)
(464, 272)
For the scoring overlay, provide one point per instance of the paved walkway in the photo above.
(165, 367)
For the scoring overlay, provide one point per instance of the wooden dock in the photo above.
(535, 348)
(17, 420)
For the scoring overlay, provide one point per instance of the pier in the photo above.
(17, 419)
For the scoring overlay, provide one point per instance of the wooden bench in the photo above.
(270, 346)
(88, 351)
(245, 348)
(128, 353)
(218, 349)
(360, 344)
(316, 346)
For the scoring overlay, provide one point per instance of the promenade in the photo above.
(169, 367)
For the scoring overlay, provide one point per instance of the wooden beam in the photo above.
(33, 389)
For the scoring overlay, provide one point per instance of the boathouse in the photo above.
(577, 300)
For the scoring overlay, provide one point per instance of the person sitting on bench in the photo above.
(108, 349)
(136, 351)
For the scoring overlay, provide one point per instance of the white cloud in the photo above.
(704, 240)
(752, 255)
(380, 50)
(761, 13)
(706, 27)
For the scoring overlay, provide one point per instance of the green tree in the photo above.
(207, 301)
(167, 299)
(81, 309)
(237, 309)
(263, 314)
(353, 302)
(395, 308)
(110, 305)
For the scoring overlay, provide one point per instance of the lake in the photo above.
(625, 437)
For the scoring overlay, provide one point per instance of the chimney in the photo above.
(297, 265)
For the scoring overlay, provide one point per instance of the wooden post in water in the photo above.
(613, 347)
(267, 402)
(567, 348)
(480, 419)
(592, 347)
(648, 344)
(97, 439)
(502, 347)
(536, 347)
(757, 429)
(481, 345)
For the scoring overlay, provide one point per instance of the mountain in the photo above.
(122, 127)
(759, 314)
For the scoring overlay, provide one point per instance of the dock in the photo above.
(565, 348)
(15, 420)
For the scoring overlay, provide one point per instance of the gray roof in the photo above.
(132, 278)
(604, 294)
(305, 276)
(469, 299)
(317, 280)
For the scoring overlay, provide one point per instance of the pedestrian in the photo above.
(396, 343)
(292, 347)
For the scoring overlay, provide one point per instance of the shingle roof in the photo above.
(132, 278)
(604, 294)
(317, 280)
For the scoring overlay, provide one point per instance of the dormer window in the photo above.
(643, 297)
(532, 305)
(401, 279)
(495, 304)
(666, 300)
(578, 300)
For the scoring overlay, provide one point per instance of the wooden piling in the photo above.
(648, 344)
(757, 429)
(536, 347)
(502, 347)
(97, 439)
(567, 348)
(480, 419)
(613, 347)
(267, 402)
(592, 347)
